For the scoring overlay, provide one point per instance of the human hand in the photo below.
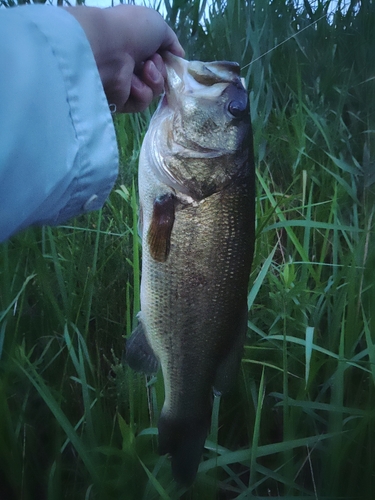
(126, 41)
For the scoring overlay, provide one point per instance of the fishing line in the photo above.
(284, 41)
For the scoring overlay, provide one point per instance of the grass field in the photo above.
(77, 424)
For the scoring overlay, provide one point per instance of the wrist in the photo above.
(92, 21)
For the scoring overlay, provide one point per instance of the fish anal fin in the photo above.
(184, 441)
(139, 354)
(159, 232)
(227, 371)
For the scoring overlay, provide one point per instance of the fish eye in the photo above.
(237, 108)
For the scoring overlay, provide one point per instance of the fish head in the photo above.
(203, 126)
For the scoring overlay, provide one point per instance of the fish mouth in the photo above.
(199, 79)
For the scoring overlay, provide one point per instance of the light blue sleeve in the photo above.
(58, 151)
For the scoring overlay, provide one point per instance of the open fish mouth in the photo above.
(202, 80)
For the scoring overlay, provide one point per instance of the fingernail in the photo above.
(153, 72)
(137, 83)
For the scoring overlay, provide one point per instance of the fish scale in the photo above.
(211, 296)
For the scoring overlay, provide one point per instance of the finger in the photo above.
(146, 31)
(141, 96)
(152, 77)
(158, 61)
(147, 87)
(160, 65)
(120, 86)
(171, 43)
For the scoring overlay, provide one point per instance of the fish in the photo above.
(196, 194)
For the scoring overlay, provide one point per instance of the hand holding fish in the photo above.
(126, 41)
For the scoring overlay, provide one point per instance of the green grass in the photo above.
(75, 423)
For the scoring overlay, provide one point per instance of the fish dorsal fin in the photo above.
(159, 232)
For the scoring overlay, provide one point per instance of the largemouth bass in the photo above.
(196, 189)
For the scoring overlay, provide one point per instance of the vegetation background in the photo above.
(77, 424)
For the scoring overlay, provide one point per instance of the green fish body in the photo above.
(196, 187)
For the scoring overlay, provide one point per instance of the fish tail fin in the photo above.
(184, 441)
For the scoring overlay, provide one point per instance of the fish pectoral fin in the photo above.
(227, 371)
(159, 232)
(139, 354)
